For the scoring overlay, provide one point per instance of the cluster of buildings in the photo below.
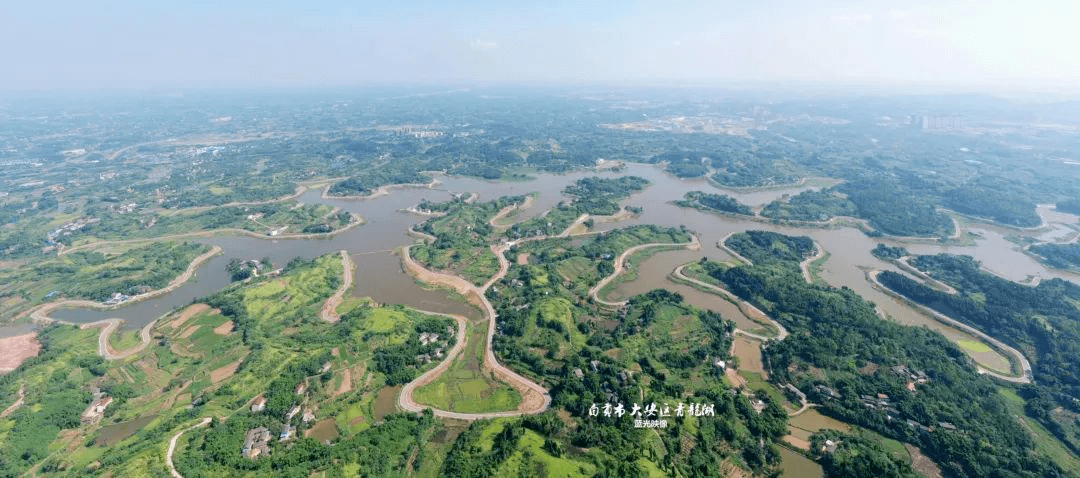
(71, 227)
(257, 441)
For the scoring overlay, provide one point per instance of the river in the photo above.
(379, 275)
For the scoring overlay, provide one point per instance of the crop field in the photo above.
(465, 387)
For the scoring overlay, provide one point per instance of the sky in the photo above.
(960, 44)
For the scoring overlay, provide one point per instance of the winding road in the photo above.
(1025, 365)
(108, 326)
(172, 446)
(748, 309)
(535, 398)
(620, 266)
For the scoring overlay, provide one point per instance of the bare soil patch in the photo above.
(224, 329)
(15, 350)
(523, 259)
(797, 442)
(191, 311)
(346, 383)
(749, 353)
(921, 463)
(190, 330)
(224, 372)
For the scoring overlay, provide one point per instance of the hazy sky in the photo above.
(146, 43)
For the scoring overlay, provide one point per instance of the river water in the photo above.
(379, 275)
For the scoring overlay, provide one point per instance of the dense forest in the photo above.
(1043, 322)
(714, 202)
(810, 206)
(1062, 256)
(956, 416)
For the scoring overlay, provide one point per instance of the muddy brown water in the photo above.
(379, 274)
(386, 402)
(112, 434)
(323, 430)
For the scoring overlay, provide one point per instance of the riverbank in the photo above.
(535, 398)
(329, 309)
(1015, 357)
(620, 266)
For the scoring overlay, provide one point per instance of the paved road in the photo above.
(172, 446)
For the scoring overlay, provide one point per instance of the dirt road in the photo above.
(1025, 365)
(329, 309)
(535, 398)
(620, 265)
(804, 266)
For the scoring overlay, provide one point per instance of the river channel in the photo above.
(379, 274)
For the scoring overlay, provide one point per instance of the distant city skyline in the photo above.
(961, 44)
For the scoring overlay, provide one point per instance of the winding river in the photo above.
(378, 273)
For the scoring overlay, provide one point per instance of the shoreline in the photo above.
(1014, 356)
(620, 266)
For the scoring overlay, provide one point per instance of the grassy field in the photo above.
(122, 339)
(974, 346)
(464, 387)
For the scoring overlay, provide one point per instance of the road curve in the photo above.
(1025, 365)
(620, 266)
(751, 311)
(535, 398)
(41, 314)
(172, 446)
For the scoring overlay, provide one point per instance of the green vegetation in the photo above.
(97, 275)
(201, 367)
(1042, 321)
(462, 236)
(365, 183)
(897, 207)
(269, 219)
(810, 206)
(683, 165)
(746, 169)
(399, 362)
(856, 455)
(594, 195)
(55, 396)
(994, 198)
(956, 417)
(1061, 256)
(466, 387)
(658, 349)
(714, 202)
(887, 253)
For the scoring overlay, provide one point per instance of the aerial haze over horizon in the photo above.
(992, 45)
